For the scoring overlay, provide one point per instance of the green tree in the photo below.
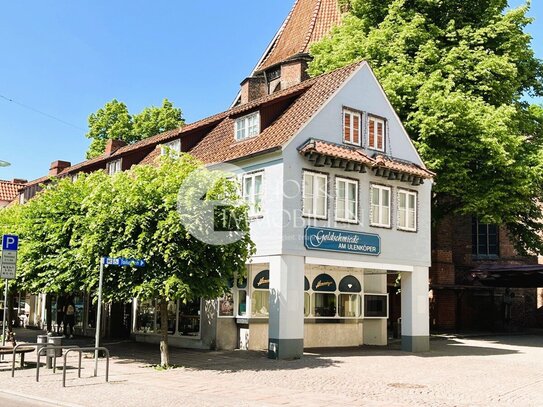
(456, 72)
(70, 225)
(114, 121)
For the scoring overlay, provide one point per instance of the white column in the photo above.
(415, 311)
(286, 326)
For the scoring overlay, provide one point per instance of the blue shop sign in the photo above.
(344, 241)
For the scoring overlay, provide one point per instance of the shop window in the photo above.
(380, 206)
(260, 298)
(346, 200)
(172, 314)
(189, 318)
(376, 306)
(307, 298)
(79, 302)
(242, 297)
(349, 297)
(226, 305)
(145, 316)
(485, 239)
(91, 313)
(376, 133)
(351, 127)
(253, 192)
(407, 210)
(324, 297)
(315, 195)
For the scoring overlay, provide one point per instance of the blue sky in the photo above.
(68, 58)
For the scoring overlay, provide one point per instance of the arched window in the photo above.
(260, 299)
(324, 297)
(349, 297)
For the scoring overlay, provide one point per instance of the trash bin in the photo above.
(56, 341)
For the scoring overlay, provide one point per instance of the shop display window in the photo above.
(189, 318)
(376, 306)
(324, 305)
(145, 316)
(172, 310)
(226, 305)
(260, 297)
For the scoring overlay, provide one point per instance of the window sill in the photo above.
(407, 230)
(349, 222)
(380, 226)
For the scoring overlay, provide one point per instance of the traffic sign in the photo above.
(10, 242)
(121, 261)
(8, 264)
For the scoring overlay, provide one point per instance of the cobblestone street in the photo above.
(457, 372)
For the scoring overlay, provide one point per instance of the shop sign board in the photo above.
(345, 241)
(8, 267)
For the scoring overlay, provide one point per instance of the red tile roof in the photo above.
(9, 190)
(358, 155)
(308, 22)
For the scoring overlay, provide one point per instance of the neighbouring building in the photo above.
(9, 191)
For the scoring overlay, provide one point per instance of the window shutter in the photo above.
(347, 126)
(372, 133)
(380, 135)
(356, 129)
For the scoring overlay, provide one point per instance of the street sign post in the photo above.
(108, 261)
(8, 270)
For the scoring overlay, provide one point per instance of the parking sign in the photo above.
(8, 264)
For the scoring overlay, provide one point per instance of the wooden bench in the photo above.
(21, 350)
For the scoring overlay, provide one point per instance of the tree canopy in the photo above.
(138, 213)
(456, 72)
(113, 121)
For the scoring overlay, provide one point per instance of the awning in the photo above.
(509, 275)
(352, 159)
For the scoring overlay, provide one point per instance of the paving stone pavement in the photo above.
(492, 371)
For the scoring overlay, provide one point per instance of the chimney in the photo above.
(252, 88)
(113, 145)
(294, 71)
(58, 166)
(19, 181)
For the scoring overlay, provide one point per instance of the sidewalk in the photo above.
(457, 372)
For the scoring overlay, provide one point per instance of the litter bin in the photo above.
(56, 341)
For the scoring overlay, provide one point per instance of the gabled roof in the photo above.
(9, 190)
(308, 22)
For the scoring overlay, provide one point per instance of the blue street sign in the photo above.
(121, 261)
(10, 242)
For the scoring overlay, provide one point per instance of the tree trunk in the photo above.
(164, 351)
(11, 317)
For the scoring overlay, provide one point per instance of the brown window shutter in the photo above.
(347, 126)
(380, 136)
(372, 133)
(356, 129)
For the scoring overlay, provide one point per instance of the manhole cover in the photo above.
(406, 386)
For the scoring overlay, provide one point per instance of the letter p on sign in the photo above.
(10, 242)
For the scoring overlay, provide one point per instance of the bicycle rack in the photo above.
(80, 351)
(36, 345)
(50, 347)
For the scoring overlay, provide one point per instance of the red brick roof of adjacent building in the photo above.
(9, 190)
(308, 22)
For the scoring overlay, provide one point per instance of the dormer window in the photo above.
(173, 146)
(376, 133)
(248, 126)
(351, 127)
(113, 167)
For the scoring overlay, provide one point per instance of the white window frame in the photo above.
(315, 175)
(380, 205)
(346, 199)
(247, 126)
(251, 200)
(173, 146)
(352, 114)
(115, 166)
(407, 210)
(377, 120)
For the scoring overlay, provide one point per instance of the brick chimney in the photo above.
(19, 181)
(252, 88)
(113, 145)
(58, 166)
(294, 71)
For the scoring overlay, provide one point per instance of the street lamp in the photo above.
(4, 164)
